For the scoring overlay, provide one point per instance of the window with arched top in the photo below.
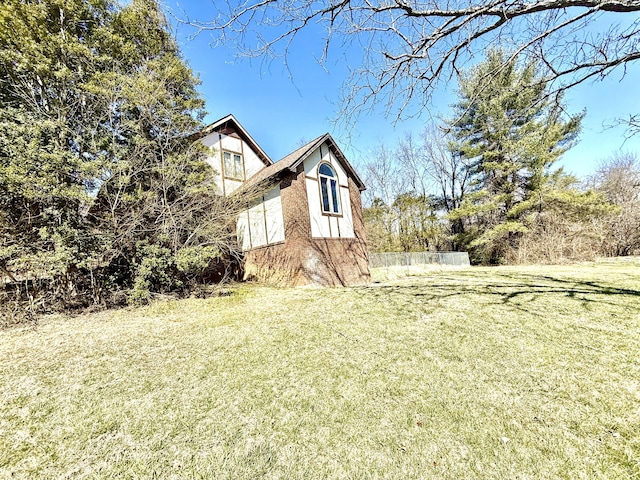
(329, 189)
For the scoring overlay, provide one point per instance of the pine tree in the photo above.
(100, 179)
(511, 134)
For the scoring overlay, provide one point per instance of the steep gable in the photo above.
(228, 125)
(233, 154)
(290, 162)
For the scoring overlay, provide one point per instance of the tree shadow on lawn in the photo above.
(518, 290)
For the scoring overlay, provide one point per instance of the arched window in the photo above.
(329, 189)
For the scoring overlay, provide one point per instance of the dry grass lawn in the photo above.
(510, 372)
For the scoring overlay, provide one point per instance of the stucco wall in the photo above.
(219, 142)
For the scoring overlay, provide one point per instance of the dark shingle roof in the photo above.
(290, 162)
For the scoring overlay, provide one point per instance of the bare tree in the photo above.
(410, 46)
(383, 176)
(449, 172)
(618, 177)
(419, 179)
(411, 155)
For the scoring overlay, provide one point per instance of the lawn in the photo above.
(509, 372)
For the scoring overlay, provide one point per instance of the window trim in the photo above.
(224, 167)
(330, 192)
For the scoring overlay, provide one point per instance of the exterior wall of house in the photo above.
(322, 224)
(219, 142)
(302, 259)
(262, 224)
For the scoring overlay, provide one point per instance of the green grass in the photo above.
(510, 372)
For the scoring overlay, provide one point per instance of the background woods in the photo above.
(485, 179)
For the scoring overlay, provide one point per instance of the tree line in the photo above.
(486, 179)
(104, 194)
(105, 197)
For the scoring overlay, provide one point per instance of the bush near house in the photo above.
(102, 189)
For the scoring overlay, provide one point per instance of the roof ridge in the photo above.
(306, 146)
(294, 158)
(243, 131)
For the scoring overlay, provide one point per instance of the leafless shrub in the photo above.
(618, 177)
(557, 239)
(16, 310)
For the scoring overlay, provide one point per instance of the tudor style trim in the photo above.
(228, 123)
(297, 256)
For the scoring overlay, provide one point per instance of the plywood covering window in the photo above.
(329, 189)
(233, 165)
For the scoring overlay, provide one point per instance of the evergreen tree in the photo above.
(47, 55)
(511, 133)
(100, 178)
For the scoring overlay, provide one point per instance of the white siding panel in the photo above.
(325, 229)
(242, 231)
(346, 221)
(319, 222)
(252, 163)
(231, 185)
(256, 224)
(343, 179)
(232, 144)
(274, 218)
(333, 227)
(311, 164)
(210, 140)
(213, 159)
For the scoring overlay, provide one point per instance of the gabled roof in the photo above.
(230, 124)
(291, 162)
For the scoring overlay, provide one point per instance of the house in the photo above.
(306, 226)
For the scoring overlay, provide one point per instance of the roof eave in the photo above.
(247, 137)
(343, 159)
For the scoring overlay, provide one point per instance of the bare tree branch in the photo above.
(410, 47)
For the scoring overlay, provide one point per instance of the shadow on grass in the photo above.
(515, 289)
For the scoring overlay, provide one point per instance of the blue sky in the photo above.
(282, 108)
